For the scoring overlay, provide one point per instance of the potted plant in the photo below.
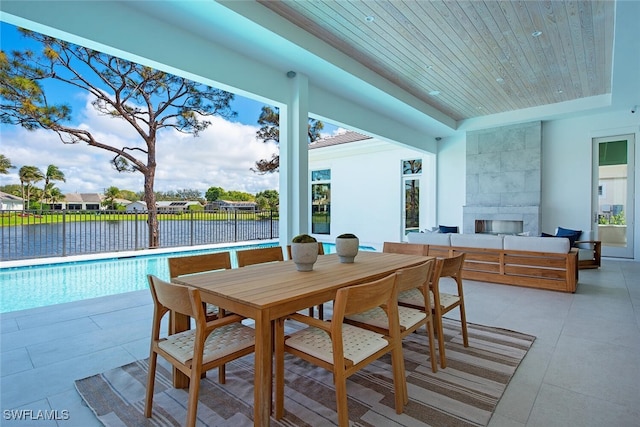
(347, 247)
(304, 252)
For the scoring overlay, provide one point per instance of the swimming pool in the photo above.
(41, 285)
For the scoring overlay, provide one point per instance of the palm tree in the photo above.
(110, 194)
(28, 176)
(5, 164)
(53, 174)
(55, 195)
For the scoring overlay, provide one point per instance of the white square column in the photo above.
(294, 160)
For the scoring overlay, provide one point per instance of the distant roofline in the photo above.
(341, 138)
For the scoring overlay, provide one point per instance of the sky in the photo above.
(221, 156)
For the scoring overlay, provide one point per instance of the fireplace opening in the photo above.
(498, 226)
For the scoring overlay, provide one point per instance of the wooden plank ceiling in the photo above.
(471, 58)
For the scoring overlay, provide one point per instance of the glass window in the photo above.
(322, 175)
(411, 175)
(412, 167)
(321, 201)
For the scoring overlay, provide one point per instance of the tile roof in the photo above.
(83, 197)
(341, 138)
(7, 196)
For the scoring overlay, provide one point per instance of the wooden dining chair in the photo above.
(259, 255)
(192, 264)
(320, 306)
(344, 349)
(411, 318)
(404, 248)
(441, 302)
(195, 351)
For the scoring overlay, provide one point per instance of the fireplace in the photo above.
(498, 226)
(507, 219)
(503, 180)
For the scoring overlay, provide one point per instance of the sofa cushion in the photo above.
(449, 229)
(439, 239)
(488, 241)
(572, 235)
(559, 245)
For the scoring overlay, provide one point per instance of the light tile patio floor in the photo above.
(583, 369)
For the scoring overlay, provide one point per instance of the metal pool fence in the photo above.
(41, 234)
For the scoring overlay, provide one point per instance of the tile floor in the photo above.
(583, 369)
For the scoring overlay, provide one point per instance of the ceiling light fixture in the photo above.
(369, 18)
(500, 80)
(536, 33)
(434, 93)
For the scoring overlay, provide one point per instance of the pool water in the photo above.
(38, 286)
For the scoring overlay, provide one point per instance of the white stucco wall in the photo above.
(366, 189)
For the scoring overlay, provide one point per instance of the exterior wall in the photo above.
(566, 171)
(366, 189)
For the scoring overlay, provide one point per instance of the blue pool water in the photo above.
(37, 286)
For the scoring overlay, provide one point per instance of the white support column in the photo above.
(294, 160)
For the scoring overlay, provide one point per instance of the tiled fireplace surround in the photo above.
(504, 176)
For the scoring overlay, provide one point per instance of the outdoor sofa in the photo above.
(534, 262)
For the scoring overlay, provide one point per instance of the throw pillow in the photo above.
(572, 235)
(448, 229)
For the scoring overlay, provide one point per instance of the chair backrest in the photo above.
(415, 277)
(259, 255)
(404, 248)
(360, 298)
(174, 297)
(320, 250)
(452, 266)
(179, 266)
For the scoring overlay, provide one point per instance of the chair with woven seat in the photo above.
(344, 349)
(192, 264)
(320, 306)
(194, 351)
(259, 255)
(411, 318)
(441, 302)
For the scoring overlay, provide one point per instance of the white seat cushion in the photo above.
(488, 241)
(559, 245)
(358, 343)
(414, 297)
(378, 318)
(221, 342)
(439, 239)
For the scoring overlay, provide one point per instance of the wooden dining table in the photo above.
(266, 292)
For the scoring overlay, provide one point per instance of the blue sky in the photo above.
(221, 156)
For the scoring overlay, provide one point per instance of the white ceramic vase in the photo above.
(304, 255)
(347, 248)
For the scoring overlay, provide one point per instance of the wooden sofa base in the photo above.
(594, 261)
(541, 270)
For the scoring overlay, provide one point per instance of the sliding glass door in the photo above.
(613, 194)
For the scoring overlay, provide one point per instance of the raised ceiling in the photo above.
(471, 58)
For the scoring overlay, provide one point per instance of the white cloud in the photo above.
(220, 156)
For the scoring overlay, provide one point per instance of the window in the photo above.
(321, 201)
(411, 175)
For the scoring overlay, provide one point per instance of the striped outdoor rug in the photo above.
(464, 394)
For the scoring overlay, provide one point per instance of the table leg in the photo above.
(263, 371)
(178, 323)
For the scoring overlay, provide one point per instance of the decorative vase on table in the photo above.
(304, 252)
(347, 247)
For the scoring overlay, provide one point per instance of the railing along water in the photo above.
(41, 234)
